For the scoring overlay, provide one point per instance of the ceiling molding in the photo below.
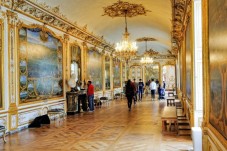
(52, 17)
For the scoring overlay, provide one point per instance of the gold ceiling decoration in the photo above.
(151, 52)
(145, 39)
(118, 9)
(146, 59)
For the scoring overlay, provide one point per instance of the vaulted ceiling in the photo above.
(156, 23)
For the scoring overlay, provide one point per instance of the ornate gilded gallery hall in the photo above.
(51, 49)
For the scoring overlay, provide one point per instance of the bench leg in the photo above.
(4, 136)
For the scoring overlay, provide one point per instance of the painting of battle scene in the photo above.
(40, 65)
(94, 68)
(188, 60)
(116, 73)
(218, 65)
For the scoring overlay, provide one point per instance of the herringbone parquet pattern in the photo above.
(110, 128)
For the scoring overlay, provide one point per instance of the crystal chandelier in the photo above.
(146, 60)
(126, 49)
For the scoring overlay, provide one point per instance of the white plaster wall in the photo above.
(198, 89)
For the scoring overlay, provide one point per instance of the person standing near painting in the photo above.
(90, 94)
(129, 93)
(140, 88)
(153, 88)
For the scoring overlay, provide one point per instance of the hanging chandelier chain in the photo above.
(146, 45)
(126, 26)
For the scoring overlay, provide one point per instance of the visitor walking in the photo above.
(129, 93)
(152, 88)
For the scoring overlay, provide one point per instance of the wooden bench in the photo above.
(170, 101)
(169, 120)
(3, 130)
(117, 96)
(104, 100)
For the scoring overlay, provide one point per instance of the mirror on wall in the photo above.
(136, 73)
(116, 73)
(107, 72)
(152, 72)
(169, 76)
(75, 67)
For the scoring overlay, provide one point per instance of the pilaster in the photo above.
(103, 72)
(66, 55)
(84, 64)
(160, 73)
(111, 75)
(121, 71)
(12, 20)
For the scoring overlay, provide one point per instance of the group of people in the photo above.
(153, 87)
(132, 89)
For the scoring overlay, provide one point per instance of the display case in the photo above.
(72, 103)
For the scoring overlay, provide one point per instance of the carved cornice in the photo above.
(181, 15)
(52, 17)
(12, 18)
(165, 57)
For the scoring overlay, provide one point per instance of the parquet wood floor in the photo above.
(110, 128)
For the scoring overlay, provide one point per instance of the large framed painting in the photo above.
(40, 64)
(188, 50)
(1, 64)
(116, 73)
(107, 72)
(217, 30)
(75, 55)
(94, 68)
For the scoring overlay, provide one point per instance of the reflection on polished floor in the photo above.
(110, 128)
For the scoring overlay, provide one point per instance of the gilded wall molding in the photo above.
(180, 18)
(52, 17)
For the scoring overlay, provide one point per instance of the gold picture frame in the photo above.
(30, 87)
